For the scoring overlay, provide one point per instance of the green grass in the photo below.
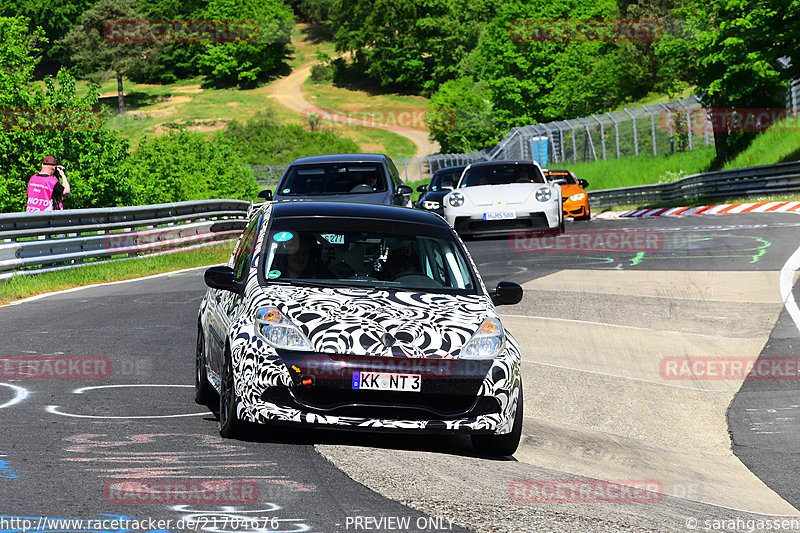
(645, 169)
(24, 286)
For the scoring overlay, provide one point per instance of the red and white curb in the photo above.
(723, 209)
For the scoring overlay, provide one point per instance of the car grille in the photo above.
(469, 225)
(381, 404)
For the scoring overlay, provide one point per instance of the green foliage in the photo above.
(410, 44)
(97, 50)
(55, 19)
(731, 52)
(460, 117)
(246, 62)
(18, 50)
(64, 125)
(184, 166)
(264, 141)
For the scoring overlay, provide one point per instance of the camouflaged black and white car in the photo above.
(358, 316)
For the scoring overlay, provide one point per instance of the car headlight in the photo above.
(456, 199)
(429, 204)
(487, 343)
(576, 197)
(279, 331)
(543, 194)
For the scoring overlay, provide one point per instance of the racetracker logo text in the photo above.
(634, 241)
(176, 491)
(585, 491)
(734, 368)
(55, 367)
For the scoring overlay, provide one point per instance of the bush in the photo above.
(185, 166)
(460, 117)
(265, 142)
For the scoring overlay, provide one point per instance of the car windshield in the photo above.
(333, 254)
(444, 176)
(333, 178)
(561, 176)
(501, 174)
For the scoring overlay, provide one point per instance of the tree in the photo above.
(98, 49)
(410, 44)
(185, 166)
(257, 56)
(460, 117)
(733, 52)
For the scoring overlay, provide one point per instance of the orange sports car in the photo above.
(574, 200)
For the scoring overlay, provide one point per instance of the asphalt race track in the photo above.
(606, 336)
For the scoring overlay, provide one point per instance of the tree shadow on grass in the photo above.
(133, 100)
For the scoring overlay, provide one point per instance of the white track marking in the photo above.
(54, 409)
(20, 393)
(73, 289)
(787, 281)
(620, 326)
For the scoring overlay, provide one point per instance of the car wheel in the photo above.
(203, 392)
(501, 445)
(230, 426)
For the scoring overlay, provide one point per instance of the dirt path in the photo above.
(288, 92)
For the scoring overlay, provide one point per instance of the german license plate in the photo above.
(386, 381)
(499, 215)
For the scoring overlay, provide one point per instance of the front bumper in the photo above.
(456, 396)
(576, 209)
(475, 225)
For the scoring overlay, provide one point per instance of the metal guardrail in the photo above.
(53, 240)
(739, 183)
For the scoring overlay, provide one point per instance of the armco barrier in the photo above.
(29, 242)
(781, 178)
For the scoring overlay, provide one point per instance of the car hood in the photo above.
(384, 197)
(569, 190)
(512, 193)
(356, 321)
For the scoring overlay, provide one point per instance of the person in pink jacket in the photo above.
(45, 191)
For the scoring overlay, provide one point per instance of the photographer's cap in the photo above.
(49, 160)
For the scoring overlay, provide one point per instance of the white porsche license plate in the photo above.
(386, 381)
(499, 215)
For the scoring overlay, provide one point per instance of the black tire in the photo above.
(501, 445)
(203, 391)
(230, 427)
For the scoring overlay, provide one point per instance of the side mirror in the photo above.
(223, 278)
(506, 293)
(422, 188)
(446, 186)
(405, 190)
(265, 195)
(584, 184)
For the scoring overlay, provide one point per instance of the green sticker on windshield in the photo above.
(282, 236)
(287, 191)
(272, 274)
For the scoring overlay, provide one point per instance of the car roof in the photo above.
(450, 169)
(322, 209)
(504, 162)
(559, 170)
(340, 158)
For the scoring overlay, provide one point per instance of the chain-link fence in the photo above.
(267, 176)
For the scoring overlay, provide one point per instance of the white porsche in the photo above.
(501, 196)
